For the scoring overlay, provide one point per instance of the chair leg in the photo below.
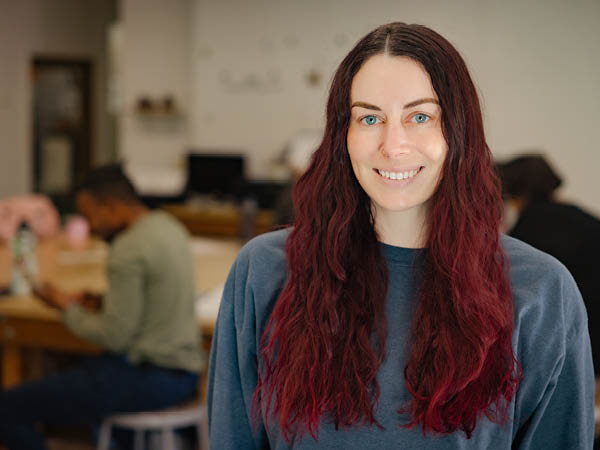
(202, 430)
(138, 442)
(168, 439)
(104, 437)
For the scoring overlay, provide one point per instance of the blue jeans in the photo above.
(97, 388)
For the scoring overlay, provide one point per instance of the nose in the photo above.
(396, 141)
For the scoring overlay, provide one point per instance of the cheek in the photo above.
(435, 148)
(352, 145)
(102, 220)
(360, 145)
(440, 158)
(351, 142)
(353, 161)
(97, 223)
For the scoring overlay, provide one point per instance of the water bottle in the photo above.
(249, 211)
(24, 266)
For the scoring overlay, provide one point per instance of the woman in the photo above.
(393, 315)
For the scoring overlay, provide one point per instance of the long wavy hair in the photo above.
(325, 339)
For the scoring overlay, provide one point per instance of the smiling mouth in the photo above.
(405, 175)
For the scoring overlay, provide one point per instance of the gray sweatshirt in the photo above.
(553, 408)
(148, 310)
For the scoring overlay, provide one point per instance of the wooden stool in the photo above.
(165, 421)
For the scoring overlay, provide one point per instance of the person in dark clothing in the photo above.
(563, 230)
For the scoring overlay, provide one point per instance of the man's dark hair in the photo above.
(109, 183)
(530, 176)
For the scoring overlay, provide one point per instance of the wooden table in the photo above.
(222, 220)
(27, 323)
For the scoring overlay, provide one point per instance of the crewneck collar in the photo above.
(403, 255)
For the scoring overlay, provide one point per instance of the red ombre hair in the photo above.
(325, 340)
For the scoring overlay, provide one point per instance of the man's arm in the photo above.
(55, 297)
(115, 324)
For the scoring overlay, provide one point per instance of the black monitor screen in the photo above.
(221, 174)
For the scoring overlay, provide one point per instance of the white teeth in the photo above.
(397, 175)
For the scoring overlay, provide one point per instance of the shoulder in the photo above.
(556, 215)
(527, 263)
(156, 232)
(256, 279)
(158, 223)
(546, 299)
(550, 338)
(264, 252)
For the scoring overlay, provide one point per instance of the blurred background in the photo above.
(149, 82)
(214, 107)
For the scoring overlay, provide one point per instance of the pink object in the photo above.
(9, 221)
(77, 231)
(36, 210)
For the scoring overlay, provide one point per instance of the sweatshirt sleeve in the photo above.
(232, 376)
(114, 327)
(563, 418)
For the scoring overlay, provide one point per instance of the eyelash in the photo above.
(421, 114)
(362, 119)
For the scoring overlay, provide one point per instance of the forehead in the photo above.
(391, 78)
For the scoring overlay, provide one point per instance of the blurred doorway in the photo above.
(61, 126)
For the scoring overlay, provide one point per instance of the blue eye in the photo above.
(370, 120)
(421, 118)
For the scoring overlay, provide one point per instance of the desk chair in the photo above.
(165, 421)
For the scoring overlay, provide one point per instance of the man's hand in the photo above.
(91, 301)
(57, 298)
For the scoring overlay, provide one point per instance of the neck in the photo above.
(401, 228)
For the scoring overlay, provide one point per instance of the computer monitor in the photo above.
(222, 175)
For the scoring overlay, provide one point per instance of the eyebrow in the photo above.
(366, 106)
(420, 102)
(408, 105)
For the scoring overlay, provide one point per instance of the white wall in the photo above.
(536, 64)
(68, 28)
(155, 63)
(238, 72)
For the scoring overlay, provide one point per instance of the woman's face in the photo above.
(395, 139)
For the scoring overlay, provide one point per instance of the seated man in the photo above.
(146, 322)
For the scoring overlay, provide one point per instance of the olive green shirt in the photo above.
(148, 311)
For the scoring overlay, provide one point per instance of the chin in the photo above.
(400, 206)
(397, 206)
